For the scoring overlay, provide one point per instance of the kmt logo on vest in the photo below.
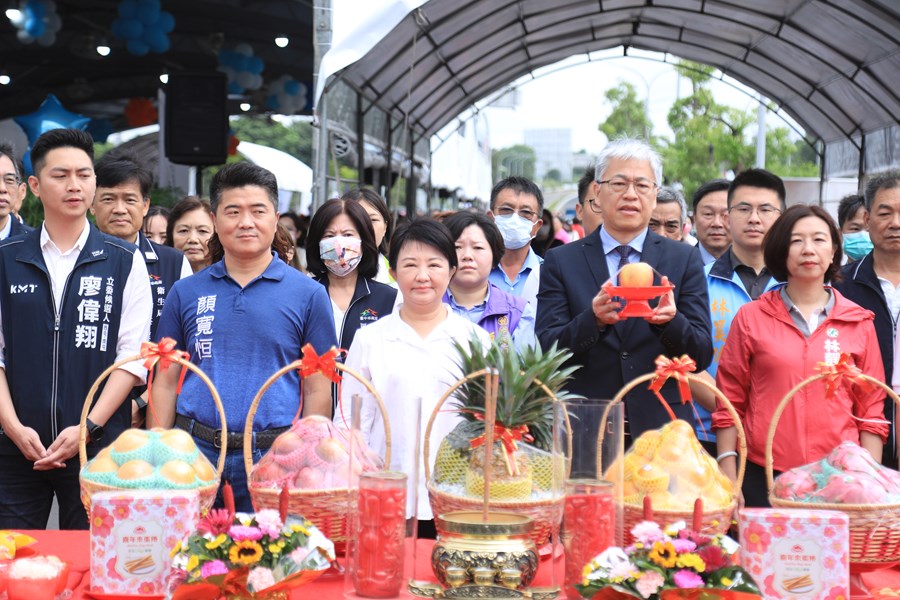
(28, 288)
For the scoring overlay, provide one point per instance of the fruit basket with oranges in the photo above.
(314, 463)
(666, 470)
(165, 459)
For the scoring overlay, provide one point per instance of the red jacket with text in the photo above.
(766, 355)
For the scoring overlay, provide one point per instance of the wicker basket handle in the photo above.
(741, 437)
(248, 426)
(776, 416)
(89, 400)
(426, 445)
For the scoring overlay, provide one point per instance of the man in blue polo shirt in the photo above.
(242, 319)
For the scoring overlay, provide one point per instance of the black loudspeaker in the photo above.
(196, 119)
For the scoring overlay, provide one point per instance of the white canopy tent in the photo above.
(293, 175)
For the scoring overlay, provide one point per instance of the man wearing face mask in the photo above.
(854, 231)
(873, 282)
(516, 207)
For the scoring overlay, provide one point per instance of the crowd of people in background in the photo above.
(762, 293)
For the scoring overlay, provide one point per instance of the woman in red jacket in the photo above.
(778, 340)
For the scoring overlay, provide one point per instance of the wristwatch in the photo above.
(95, 432)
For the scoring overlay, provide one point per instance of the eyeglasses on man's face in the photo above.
(619, 185)
(744, 210)
(10, 180)
(525, 213)
(670, 226)
(595, 205)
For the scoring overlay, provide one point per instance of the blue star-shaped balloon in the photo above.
(51, 115)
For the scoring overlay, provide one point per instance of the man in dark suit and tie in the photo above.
(574, 311)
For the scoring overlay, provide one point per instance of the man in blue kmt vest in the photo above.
(120, 205)
(72, 301)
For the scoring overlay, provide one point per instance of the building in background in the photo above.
(553, 150)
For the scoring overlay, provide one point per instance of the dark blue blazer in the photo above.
(859, 283)
(18, 228)
(612, 356)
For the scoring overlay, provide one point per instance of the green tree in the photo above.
(709, 138)
(295, 139)
(629, 115)
(516, 160)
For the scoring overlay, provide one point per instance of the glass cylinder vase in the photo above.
(377, 569)
(589, 526)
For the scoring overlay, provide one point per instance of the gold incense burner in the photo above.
(474, 558)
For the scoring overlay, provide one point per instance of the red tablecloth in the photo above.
(74, 547)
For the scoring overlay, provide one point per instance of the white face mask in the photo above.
(516, 231)
(341, 254)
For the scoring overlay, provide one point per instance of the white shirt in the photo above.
(137, 300)
(7, 229)
(892, 297)
(403, 367)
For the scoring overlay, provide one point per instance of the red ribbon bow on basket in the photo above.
(312, 363)
(679, 368)
(507, 436)
(164, 353)
(837, 374)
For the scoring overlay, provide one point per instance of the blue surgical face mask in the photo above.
(857, 244)
(516, 231)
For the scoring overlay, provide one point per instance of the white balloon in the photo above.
(24, 37)
(244, 48)
(257, 82)
(48, 39)
(244, 79)
(52, 21)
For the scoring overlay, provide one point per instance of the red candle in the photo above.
(589, 526)
(378, 569)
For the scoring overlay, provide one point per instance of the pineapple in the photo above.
(504, 485)
(520, 402)
(452, 458)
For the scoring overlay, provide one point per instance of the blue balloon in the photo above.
(152, 4)
(235, 88)
(156, 39)
(166, 21)
(147, 14)
(239, 62)
(272, 102)
(116, 28)
(227, 58)
(255, 65)
(292, 87)
(34, 27)
(50, 115)
(100, 129)
(131, 29)
(36, 8)
(26, 162)
(128, 9)
(137, 47)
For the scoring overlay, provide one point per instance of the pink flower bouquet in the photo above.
(675, 563)
(248, 556)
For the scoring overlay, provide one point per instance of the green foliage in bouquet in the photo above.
(520, 400)
(675, 563)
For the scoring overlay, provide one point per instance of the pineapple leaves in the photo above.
(521, 400)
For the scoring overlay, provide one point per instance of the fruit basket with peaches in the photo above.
(159, 459)
(314, 463)
(635, 287)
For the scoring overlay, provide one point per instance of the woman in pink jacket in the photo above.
(778, 340)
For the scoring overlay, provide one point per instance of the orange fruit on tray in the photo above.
(636, 275)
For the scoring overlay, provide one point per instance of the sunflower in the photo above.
(663, 554)
(246, 552)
